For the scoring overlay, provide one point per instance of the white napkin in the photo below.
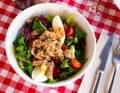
(91, 75)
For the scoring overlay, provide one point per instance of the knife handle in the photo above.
(98, 81)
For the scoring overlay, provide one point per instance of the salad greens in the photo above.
(50, 81)
(67, 70)
(38, 25)
(49, 18)
(23, 55)
(76, 44)
(69, 20)
(79, 34)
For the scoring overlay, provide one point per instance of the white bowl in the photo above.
(53, 9)
(117, 3)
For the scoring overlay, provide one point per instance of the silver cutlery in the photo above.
(104, 56)
(116, 62)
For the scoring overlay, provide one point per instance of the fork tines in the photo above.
(117, 49)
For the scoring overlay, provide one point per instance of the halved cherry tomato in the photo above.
(70, 31)
(75, 63)
(64, 47)
(65, 27)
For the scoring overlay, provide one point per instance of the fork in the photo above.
(116, 62)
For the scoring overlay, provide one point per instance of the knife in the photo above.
(104, 56)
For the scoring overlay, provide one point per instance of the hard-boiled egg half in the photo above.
(58, 26)
(38, 73)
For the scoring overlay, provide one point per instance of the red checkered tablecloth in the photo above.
(10, 82)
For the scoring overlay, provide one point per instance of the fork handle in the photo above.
(111, 85)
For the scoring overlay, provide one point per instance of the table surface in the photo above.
(107, 21)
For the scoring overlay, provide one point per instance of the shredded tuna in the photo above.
(39, 62)
(68, 54)
(34, 33)
(47, 46)
(49, 71)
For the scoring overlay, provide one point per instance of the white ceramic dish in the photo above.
(117, 3)
(52, 9)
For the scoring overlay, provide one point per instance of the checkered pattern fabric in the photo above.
(107, 21)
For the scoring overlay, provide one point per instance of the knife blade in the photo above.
(103, 56)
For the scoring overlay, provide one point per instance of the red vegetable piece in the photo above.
(64, 47)
(56, 72)
(75, 63)
(70, 32)
(65, 27)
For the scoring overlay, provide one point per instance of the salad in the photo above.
(49, 48)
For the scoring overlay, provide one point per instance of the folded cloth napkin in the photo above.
(90, 76)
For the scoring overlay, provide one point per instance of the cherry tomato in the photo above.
(56, 72)
(75, 63)
(64, 47)
(65, 27)
(70, 32)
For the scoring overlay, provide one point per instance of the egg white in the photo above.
(57, 24)
(38, 73)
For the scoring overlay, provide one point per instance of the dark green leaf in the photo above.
(38, 25)
(50, 81)
(41, 30)
(69, 41)
(29, 55)
(30, 69)
(19, 41)
(65, 63)
(67, 73)
(67, 70)
(79, 34)
(80, 55)
(49, 18)
(20, 49)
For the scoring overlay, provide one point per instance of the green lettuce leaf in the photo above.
(38, 25)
